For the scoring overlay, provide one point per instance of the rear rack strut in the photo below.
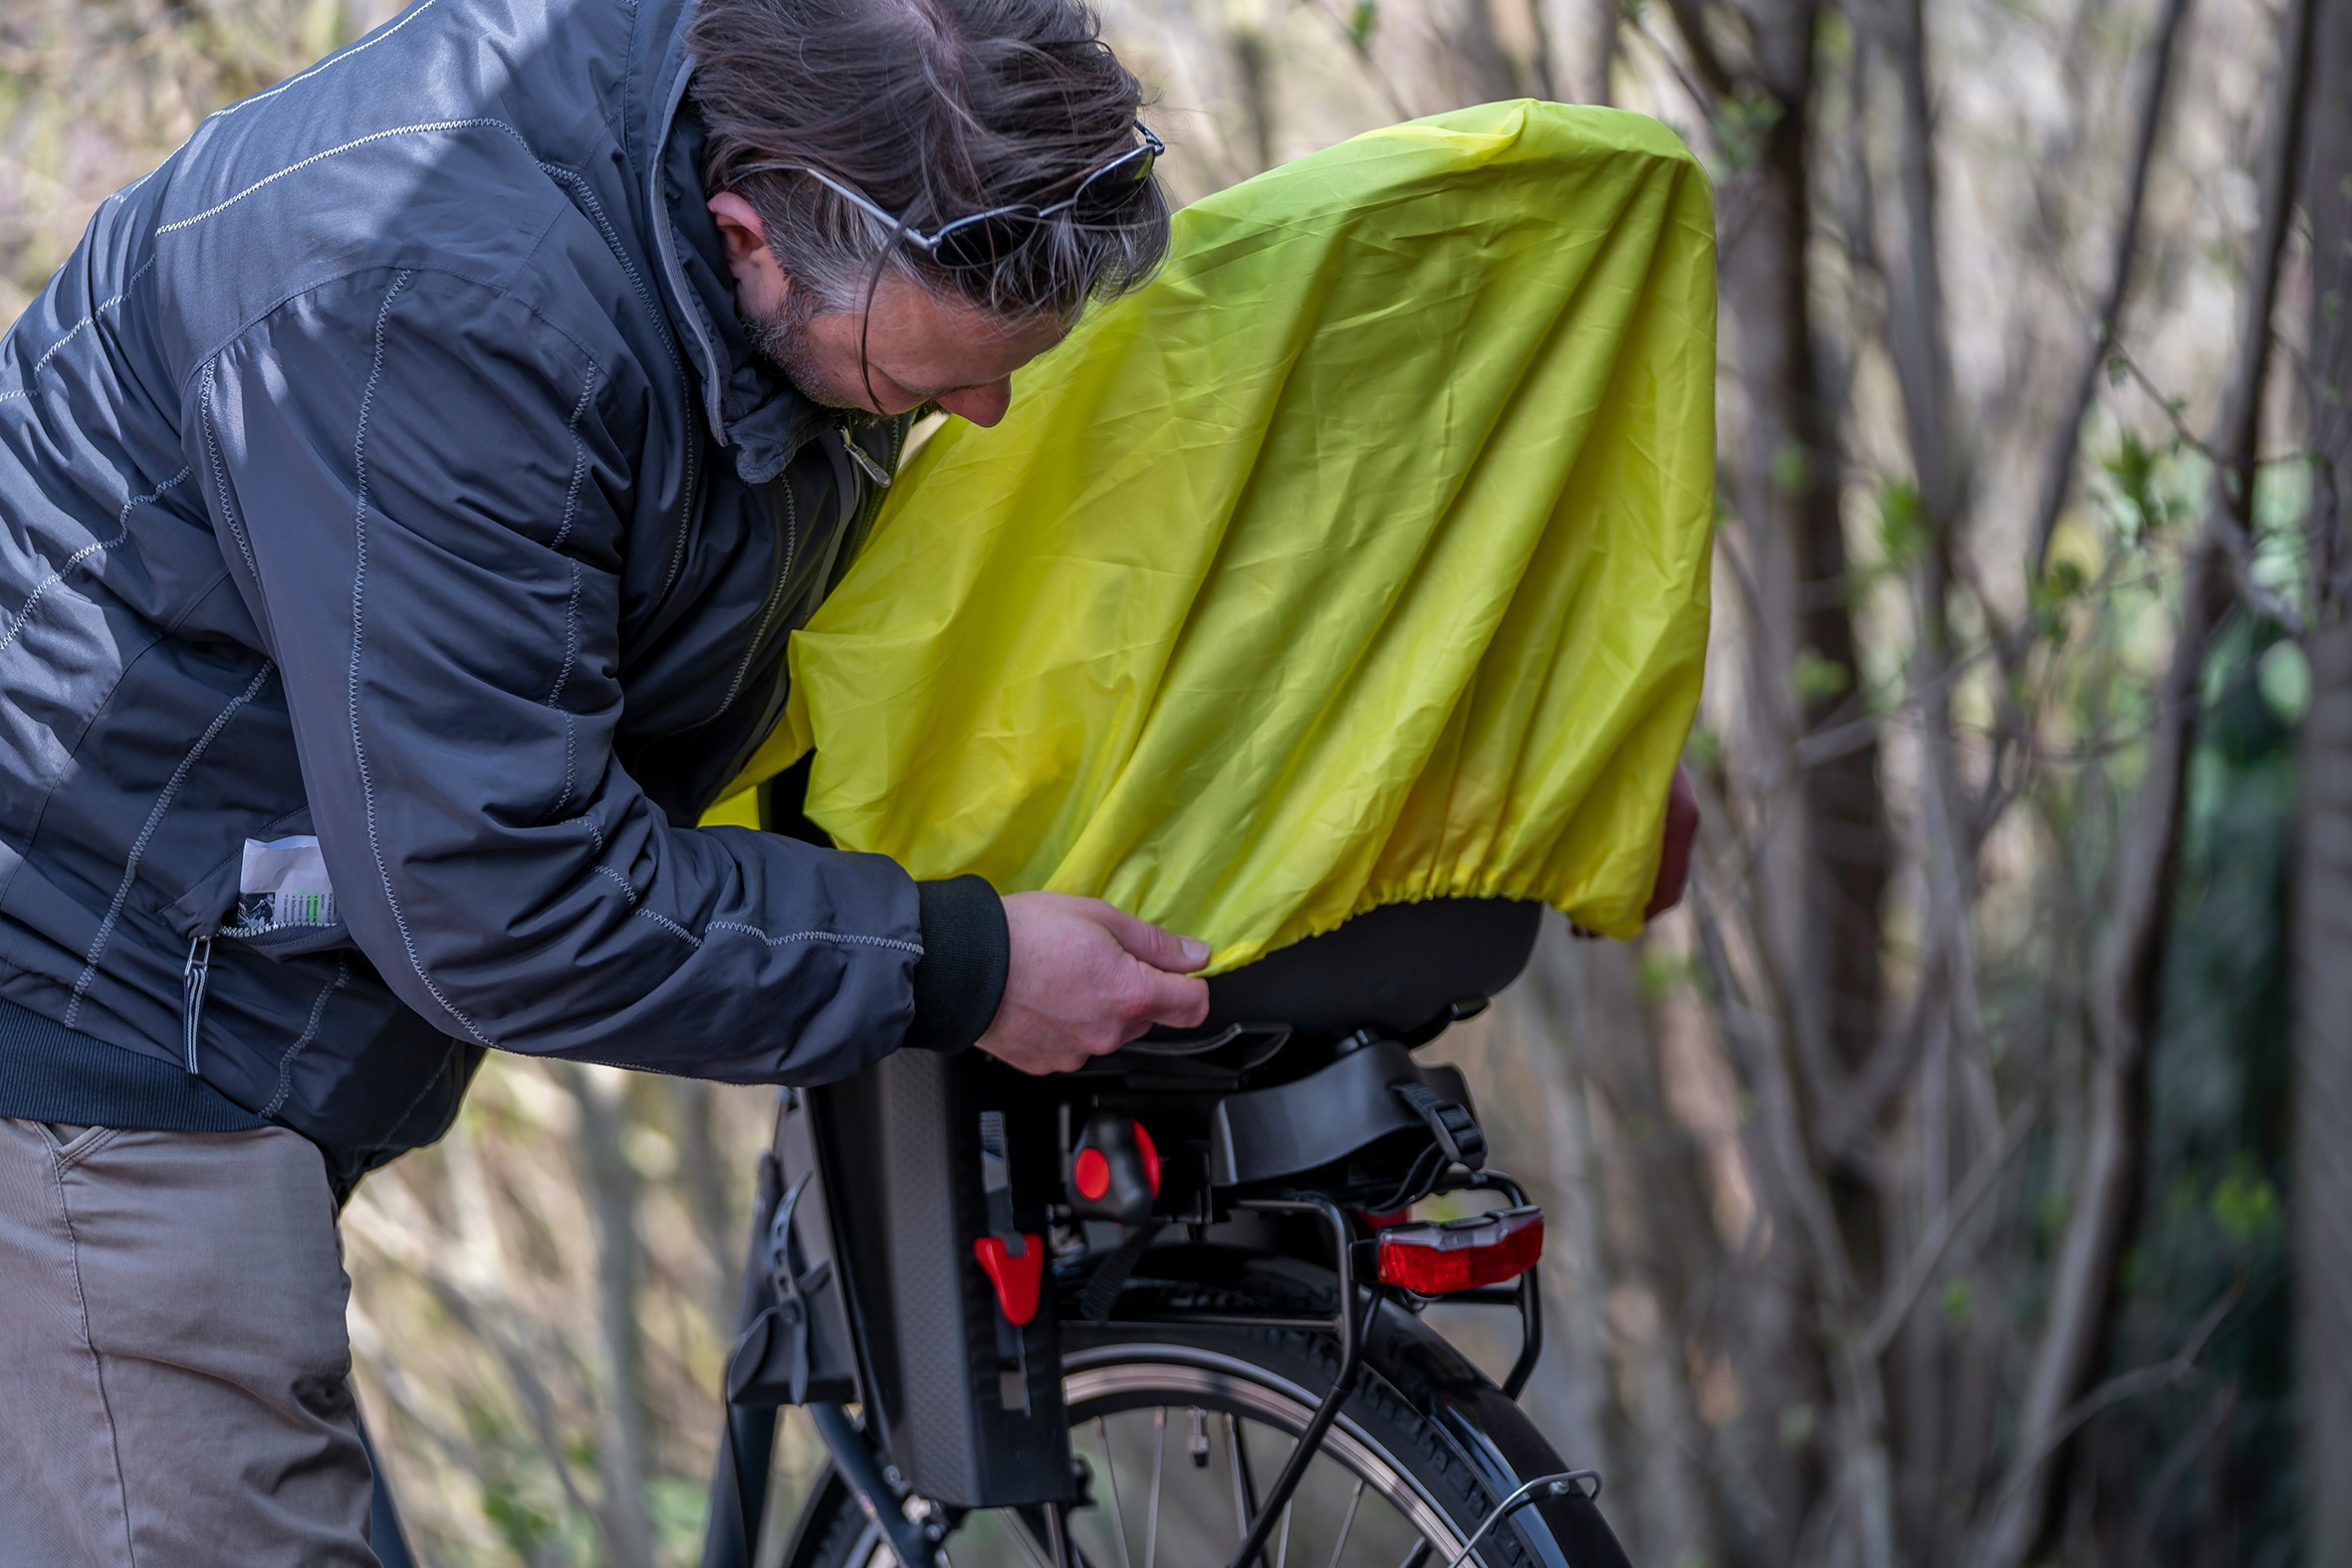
(1351, 1327)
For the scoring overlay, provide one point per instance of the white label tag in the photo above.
(284, 883)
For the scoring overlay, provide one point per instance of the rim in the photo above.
(1143, 1415)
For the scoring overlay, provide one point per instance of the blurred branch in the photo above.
(476, 1301)
(2321, 935)
(1928, 1255)
(2057, 479)
(1701, 99)
(1691, 22)
(612, 1209)
(1797, 1164)
(2125, 993)
(2117, 1389)
(1359, 44)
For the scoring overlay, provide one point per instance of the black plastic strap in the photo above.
(1103, 1291)
(1456, 1130)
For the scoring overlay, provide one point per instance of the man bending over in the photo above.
(408, 491)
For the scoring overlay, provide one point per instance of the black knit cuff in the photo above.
(960, 979)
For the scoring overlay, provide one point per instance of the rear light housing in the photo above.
(1435, 1259)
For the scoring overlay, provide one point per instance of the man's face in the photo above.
(915, 349)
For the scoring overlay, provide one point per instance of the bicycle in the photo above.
(1081, 1316)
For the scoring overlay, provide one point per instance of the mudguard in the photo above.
(1493, 1436)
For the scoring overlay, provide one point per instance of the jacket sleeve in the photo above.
(420, 485)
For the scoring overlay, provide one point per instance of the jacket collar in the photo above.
(755, 411)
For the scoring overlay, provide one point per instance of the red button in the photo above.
(1093, 1175)
(1151, 1158)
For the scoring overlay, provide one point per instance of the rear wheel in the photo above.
(1179, 1431)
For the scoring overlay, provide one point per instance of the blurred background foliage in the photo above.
(1960, 1177)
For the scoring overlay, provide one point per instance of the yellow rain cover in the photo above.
(1361, 557)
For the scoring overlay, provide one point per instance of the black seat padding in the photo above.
(1394, 970)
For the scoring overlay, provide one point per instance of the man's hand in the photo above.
(1086, 978)
(1674, 861)
(1674, 864)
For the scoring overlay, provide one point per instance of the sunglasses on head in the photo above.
(984, 238)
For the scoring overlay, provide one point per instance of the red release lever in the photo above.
(1016, 1277)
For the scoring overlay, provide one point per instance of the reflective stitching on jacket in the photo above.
(691, 939)
(220, 472)
(570, 727)
(554, 694)
(74, 330)
(178, 224)
(138, 846)
(310, 1032)
(326, 65)
(588, 388)
(668, 925)
(83, 553)
(359, 642)
(916, 947)
(571, 658)
(662, 324)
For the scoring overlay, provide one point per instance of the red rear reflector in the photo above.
(1090, 1175)
(1016, 1277)
(1433, 1259)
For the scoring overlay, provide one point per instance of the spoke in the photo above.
(1159, 1449)
(1021, 1534)
(1281, 1546)
(1346, 1522)
(1245, 1486)
(1118, 1511)
(1417, 1556)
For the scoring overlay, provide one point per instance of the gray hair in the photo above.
(934, 109)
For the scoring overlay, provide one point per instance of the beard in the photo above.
(783, 340)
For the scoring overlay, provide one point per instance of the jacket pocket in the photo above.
(284, 905)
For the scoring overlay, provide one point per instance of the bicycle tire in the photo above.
(1267, 1380)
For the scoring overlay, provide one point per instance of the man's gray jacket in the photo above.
(400, 542)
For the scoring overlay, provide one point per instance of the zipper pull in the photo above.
(873, 470)
(192, 996)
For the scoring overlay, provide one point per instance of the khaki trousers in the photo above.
(174, 1371)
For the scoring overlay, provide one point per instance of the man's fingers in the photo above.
(1161, 949)
(1175, 1000)
(1674, 860)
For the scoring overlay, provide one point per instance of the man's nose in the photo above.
(982, 405)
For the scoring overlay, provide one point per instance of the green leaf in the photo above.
(1822, 680)
(1902, 528)
(1797, 1426)
(1956, 1303)
(2284, 679)
(1793, 471)
(2244, 1204)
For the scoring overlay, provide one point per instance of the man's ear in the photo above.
(741, 228)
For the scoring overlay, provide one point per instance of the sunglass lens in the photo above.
(985, 241)
(1110, 191)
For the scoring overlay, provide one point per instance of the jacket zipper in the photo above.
(192, 980)
(872, 469)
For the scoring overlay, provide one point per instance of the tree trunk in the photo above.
(2124, 991)
(612, 1208)
(2322, 930)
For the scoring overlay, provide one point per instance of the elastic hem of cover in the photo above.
(49, 1073)
(960, 979)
